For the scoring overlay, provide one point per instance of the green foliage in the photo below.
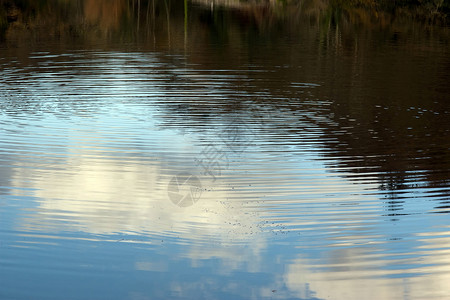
(428, 10)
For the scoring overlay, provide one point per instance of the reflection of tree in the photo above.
(106, 13)
(393, 121)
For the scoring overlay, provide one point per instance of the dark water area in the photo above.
(189, 150)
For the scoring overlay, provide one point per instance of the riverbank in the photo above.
(430, 11)
(129, 18)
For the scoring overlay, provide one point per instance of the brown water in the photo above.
(153, 152)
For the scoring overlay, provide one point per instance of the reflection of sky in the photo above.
(82, 183)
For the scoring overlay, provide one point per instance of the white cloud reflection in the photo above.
(109, 196)
(359, 273)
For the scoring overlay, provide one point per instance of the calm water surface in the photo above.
(214, 158)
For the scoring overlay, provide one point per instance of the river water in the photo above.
(170, 150)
